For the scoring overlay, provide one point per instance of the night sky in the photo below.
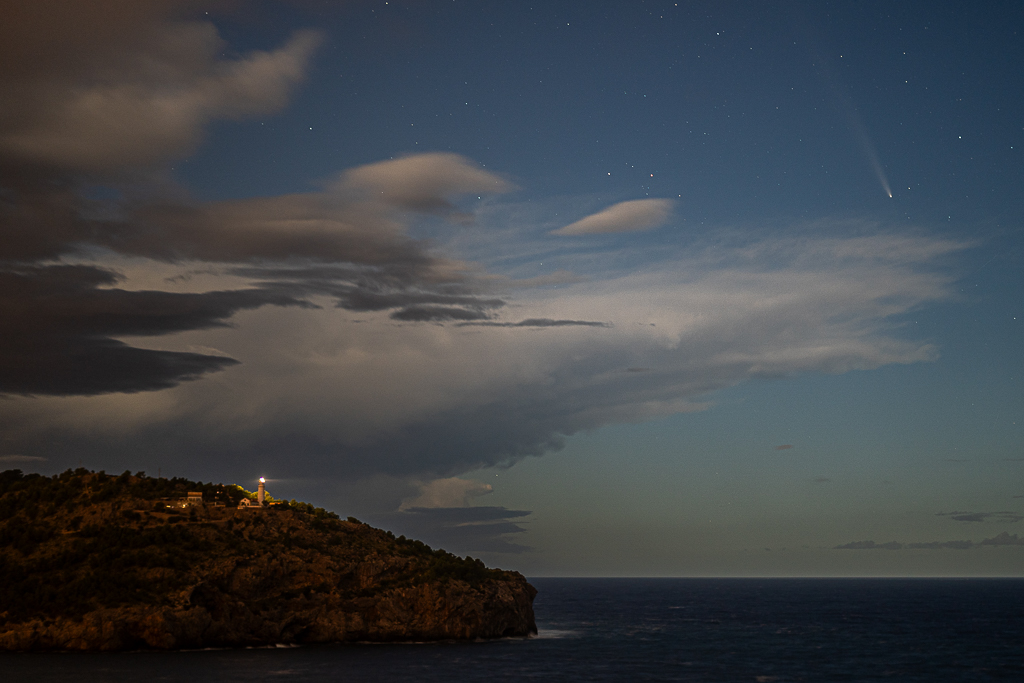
(581, 288)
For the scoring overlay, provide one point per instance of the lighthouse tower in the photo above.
(261, 492)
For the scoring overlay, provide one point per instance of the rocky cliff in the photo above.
(95, 562)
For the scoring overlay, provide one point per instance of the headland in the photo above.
(100, 562)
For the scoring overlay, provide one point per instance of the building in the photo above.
(193, 498)
(261, 498)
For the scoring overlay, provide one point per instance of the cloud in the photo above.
(437, 313)
(97, 92)
(446, 493)
(349, 247)
(1002, 539)
(541, 322)
(360, 218)
(1004, 516)
(936, 545)
(418, 401)
(101, 110)
(460, 529)
(870, 545)
(15, 459)
(631, 216)
(112, 299)
(106, 93)
(62, 320)
(421, 182)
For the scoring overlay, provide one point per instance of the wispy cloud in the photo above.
(16, 459)
(540, 322)
(461, 529)
(1004, 516)
(106, 93)
(1002, 539)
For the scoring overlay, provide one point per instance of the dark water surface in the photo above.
(755, 630)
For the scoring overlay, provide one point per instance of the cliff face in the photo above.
(93, 562)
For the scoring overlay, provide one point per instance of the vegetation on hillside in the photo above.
(82, 540)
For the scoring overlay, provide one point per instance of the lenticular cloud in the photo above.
(631, 216)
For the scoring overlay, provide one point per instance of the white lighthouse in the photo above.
(261, 492)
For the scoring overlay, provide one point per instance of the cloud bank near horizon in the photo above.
(1002, 539)
(462, 529)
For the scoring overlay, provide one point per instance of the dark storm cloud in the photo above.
(466, 529)
(91, 92)
(380, 269)
(60, 322)
(103, 94)
(454, 441)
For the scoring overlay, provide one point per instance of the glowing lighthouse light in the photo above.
(261, 492)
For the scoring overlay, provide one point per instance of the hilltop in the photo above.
(93, 561)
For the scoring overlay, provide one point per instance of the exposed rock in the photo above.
(93, 562)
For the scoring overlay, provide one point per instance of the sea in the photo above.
(700, 630)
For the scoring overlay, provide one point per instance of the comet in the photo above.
(844, 104)
(869, 149)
